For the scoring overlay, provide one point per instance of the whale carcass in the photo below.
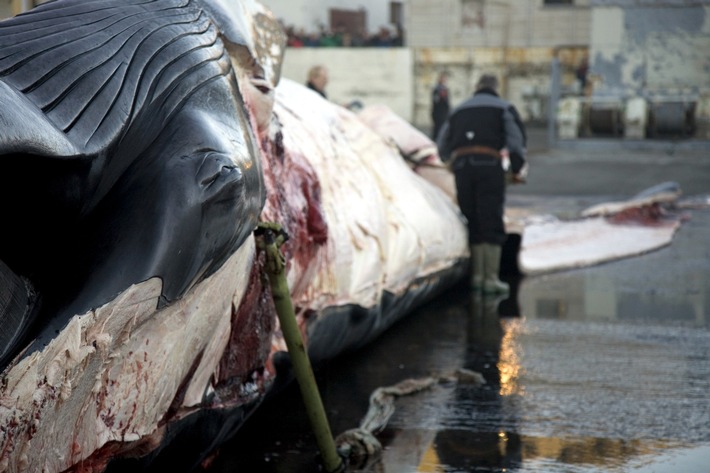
(140, 144)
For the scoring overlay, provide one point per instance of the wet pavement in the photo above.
(600, 369)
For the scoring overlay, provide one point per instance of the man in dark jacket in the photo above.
(482, 138)
(439, 104)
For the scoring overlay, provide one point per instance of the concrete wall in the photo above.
(656, 52)
(495, 23)
(6, 9)
(10, 8)
(524, 74)
(516, 40)
(371, 75)
(646, 50)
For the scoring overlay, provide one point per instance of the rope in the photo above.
(359, 446)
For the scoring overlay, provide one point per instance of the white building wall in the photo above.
(370, 75)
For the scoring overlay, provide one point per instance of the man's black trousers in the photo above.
(480, 188)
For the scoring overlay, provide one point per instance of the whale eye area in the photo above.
(213, 167)
(261, 84)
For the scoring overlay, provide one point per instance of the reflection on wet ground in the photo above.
(602, 369)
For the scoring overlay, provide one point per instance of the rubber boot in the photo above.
(477, 267)
(491, 258)
(491, 302)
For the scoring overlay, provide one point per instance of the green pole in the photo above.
(270, 237)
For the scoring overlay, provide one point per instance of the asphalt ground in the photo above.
(613, 167)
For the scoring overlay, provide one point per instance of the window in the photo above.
(396, 14)
(473, 13)
(348, 21)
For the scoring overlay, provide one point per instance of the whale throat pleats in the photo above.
(93, 67)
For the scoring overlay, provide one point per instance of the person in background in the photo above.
(439, 103)
(318, 79)
(474, 140)
(581, 73)
(382, 39)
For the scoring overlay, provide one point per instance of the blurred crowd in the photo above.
(339, 37)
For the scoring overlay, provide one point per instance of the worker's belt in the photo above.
(475, 150)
